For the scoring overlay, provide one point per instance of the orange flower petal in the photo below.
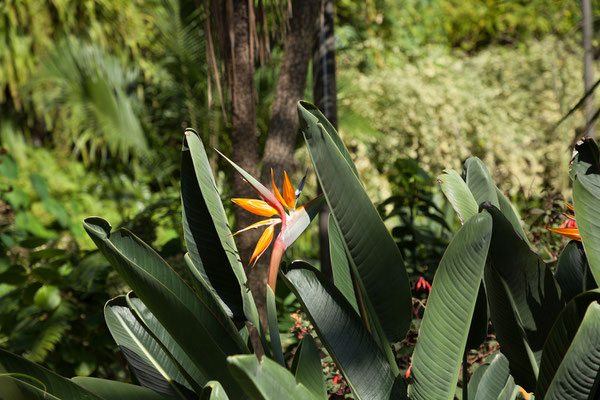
(289, 194)
(272, 221)
(571, 233)
(263, 243)
(570, 207)
(257, 207)
(276, 191)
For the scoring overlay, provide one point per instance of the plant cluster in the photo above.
(185, 341)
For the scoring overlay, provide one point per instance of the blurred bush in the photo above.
(500, 105)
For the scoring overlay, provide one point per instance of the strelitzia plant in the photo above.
(293, 220)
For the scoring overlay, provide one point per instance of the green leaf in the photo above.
(510, 214)
(577, 375)
(339, 264)
(59, 211)
(267, 380)
(573, 273)
(39, 184)
(274, 327)
(476, 380)
(47, 297)
(213, 391)
(180, 358)
(479, 181)
(207, 234)
(55, 385)
(201, 331)
(113, 390)
(374, 256)
(585, 171)
(310, 117)
(561, 336)
(342, 333)
(458, 194)
(307, 367)
(150, 361)
(524, 299)
(438, 355)
(494, 379)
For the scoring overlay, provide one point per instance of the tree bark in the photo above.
(325, 98)
(243, 120)
(283, 124)
(586, 13)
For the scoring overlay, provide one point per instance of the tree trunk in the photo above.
(283, 124)
(243, 120)
(586, 13)
(325, 98)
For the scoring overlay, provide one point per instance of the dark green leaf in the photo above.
(201, 330)
(577, 376)
(267, 380)
(181, 360)
(573, 273)
(307, 368)
(561, 337)
(342, 333)
(524, 299)
(374, 256)
(207, 234)
(55, 385)
(151, 363)
(113, 390)
(339, 263)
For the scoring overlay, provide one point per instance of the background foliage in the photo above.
(94, 96)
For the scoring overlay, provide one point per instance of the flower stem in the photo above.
(276, 254)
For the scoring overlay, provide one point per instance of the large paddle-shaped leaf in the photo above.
(458, 194)
(462, 201)
(480, 183)
(203, 332)
(22, 387)
(152, 364)
(340, 266)
(524, 299)
(307, 367)
(573, 273)
(114, 390)
(577, 375)
(207, 234)
(494, 379)
(374, 256)
(586, 200)
(213, 391)
(445, 326)
(342, 333)
(267, 380)
(561, 337)
(183, 362)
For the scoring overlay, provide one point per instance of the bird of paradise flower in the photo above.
(569, 228)
(294, 220)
